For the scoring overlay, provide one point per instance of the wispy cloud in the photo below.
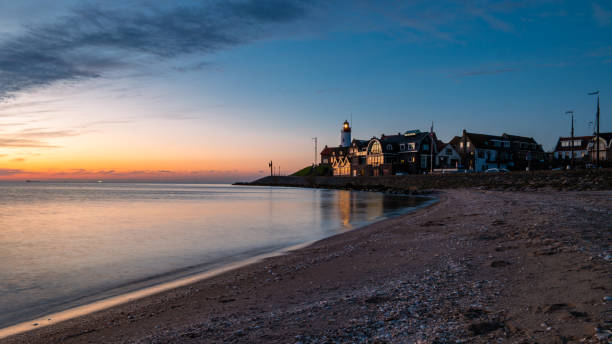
(10, 172)
(8, 142)
(602, 16)
(33, 138)
(93, 40)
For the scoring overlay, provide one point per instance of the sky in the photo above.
(211, 91)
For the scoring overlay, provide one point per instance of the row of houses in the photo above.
(414, 152)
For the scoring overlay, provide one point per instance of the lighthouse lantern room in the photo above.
(345, 135)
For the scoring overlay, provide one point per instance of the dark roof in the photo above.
(396, 140)
(478, 140)
(360, 143)
(606, 136)
(455, 141)
(516, 138)
(584, 142)
(440, 144)
(330, 150)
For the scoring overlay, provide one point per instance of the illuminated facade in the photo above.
(407, 153)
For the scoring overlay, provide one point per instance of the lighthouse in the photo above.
(345, 135)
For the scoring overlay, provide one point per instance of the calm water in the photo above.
(67, 244)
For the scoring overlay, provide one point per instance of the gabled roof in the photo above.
(455, 141)
(584, 142)
(479, 140)
(606, 136)
(336, 150)
(516, 138)
(360, 143)
(396, 140)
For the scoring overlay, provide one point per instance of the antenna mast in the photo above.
(315, 150)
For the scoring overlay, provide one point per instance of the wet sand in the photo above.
(478, 266)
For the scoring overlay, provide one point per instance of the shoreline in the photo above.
(477, 266)
(180, 281)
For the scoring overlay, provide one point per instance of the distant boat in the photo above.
(32, 181)
(99, 181)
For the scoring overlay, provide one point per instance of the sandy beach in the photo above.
(478, 266)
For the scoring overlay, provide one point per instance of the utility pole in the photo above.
(271, 168)
(431, 135)
(315, 151)
(597, 124)
(570, 112)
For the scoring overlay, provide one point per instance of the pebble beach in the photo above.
(478, 266)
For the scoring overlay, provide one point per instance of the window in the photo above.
(389, 147)
(449, 151)
(480, 154)
(412, 146)
(375, 160)
(375, 148)
(402, 147)
(425, 146)
(507, 144)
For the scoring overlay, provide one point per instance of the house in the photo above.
(605, 147)
(480, 152)
(405, 153)
(524, 152)
(338, 159)
(447, 156)
(579, 146)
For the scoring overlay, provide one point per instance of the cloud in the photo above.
(10, 172)
(18, 160)
(33, 138)
(602, 16)
(91, 41)
(23, 143)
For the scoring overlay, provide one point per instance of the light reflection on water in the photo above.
(66, 244)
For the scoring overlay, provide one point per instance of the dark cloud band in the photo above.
(92, 40)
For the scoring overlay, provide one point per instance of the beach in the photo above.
(477, 266)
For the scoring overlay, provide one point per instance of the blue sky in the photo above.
(193, 80)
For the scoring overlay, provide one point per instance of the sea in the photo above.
(64, 245)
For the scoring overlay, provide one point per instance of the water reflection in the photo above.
(65, 244)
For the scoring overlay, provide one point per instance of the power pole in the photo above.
(431, 135)
(597, 124)
(271, 168)
(315, 151)
(572, 142)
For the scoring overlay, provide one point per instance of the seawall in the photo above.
(591, 179)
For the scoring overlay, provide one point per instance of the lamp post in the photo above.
(315, 150)
(570, 112)
(597, 124)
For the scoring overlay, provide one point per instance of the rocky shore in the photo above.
(581, 180)
(479, 266)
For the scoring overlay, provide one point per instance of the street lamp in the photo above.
(597, 124)
(570, 112)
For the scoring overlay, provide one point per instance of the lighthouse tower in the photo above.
(345, 135)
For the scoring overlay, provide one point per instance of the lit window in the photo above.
(375, 148)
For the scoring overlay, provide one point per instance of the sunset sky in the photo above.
(210, 91)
